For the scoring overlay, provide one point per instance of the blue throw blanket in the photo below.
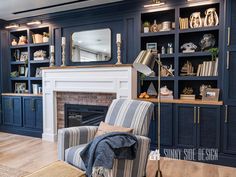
(103, 149)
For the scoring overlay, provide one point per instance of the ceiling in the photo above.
(8, 7)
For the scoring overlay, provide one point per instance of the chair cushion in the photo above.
(72, 156)
(106, 128)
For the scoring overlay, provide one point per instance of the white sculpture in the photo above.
(195, 20)
(211, 18)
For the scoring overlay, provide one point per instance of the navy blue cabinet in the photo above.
(12, 111)
(229, 146)
(32, 113)
(197, 126)
(166, 126)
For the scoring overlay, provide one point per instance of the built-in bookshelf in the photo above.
(205, 70)
(25, 65)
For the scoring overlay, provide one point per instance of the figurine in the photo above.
(167, 71)
(170, 48)
(166, 92)
(40, 55)
(188, 91)
(188, 47)
(207, 42)
(187, 69)
(22, 40)
(144, 95)
(211, 18)
(154, 27)
(151, 90)
(203, 87)
(14, 43)
(196, 20)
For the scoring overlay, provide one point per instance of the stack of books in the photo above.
(187, 97)
(208, 68)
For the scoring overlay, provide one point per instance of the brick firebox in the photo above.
(99, 99)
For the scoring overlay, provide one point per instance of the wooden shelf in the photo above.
(193, 30)
(21, 94)
(160, 33)
(179, 101)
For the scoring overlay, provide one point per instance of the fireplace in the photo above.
(82, 115)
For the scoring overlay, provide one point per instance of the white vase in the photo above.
(45, 39)
(146, 30)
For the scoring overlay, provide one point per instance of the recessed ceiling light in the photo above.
(80, 42)
(12, 26)
(35, 22)
(155, 4)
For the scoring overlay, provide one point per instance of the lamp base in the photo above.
(159, 173)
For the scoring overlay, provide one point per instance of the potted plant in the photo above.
(146, 27)
(45, 37)
(214, 53)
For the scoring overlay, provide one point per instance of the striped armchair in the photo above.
(126, 113)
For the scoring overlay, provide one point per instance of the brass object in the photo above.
(188, 91)
(228, 58)
(118, 53)
(229, 36)
(226, 113)
(195, 115)
(198, 112)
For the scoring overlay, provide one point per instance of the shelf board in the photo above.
(39, 61)
(39, 44)
(19, 78)
(179, 101)
(160, 33)
(193, 30)
(162, 78)
(17, 63)
(35, 78)
(21, 94)
(19, 46)
(167, 56)
(203, 78)
(194, 54)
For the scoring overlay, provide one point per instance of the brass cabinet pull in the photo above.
(229, 36)
(195, 115)
(198, 112)
(226, 114)
(228, 57)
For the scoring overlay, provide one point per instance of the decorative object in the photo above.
(187, 69)
(144, 95)
(17, 55)
(14, 42)
(40, 55)
(166, 26)
(52, 59)
(21, 70)
(26, 71)
(163, 50)
(211, 94)
(173, 25)
(154, 27)
(196, 20)
(183, 23)
(214, 53)
(38, 72)
(166, 93)
(208, 41)
(45, 37)
(151, 46)
(40, 90)
(22, 40)
(202, 88)
(211, 18)
(35, 88)
(145, 63)
(151, 91)
(24, 56)
(37, 38)
(167, 71)
(187, 94)
(146, 27)
(14, 74)
(170, 48)
(20, 87)
(118, 43)
(188, 47)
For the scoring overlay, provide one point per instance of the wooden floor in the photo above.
(30, 154)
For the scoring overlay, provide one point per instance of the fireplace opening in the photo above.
(84, 115)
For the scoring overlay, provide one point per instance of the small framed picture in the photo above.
(211, 94)
(151, 46)
(20, 87)
(21, 71)
(38, 72)
(24, 56)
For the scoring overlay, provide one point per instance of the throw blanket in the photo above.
(105, 148)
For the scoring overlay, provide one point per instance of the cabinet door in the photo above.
(231, 16)
(208, 119)
(12, 114)
(185, 126)
(166, 126)
(32, 112)
(229, 130)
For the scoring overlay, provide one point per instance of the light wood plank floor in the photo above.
(30, 154)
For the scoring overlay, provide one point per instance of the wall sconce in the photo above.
(35, 22)
(155, 3)
(12, 26)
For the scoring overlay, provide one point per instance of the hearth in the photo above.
(84, 115)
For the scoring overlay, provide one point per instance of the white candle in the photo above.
(63, 41)
(118, 37)
(52, 48)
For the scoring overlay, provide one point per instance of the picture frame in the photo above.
(21, 71)
(151, 46)
(211, 94)
(20, 87)
(38, 72)
(24, 56)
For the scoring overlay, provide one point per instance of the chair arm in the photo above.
(69, 137)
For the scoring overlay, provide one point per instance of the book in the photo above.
(216, 67)
(187, 97)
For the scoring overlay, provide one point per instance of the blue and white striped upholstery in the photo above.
(126, 113)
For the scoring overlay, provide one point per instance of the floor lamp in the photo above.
(145, 63)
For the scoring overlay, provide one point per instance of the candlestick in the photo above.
(52, 59)
(63, 55)
(63, 41)
(118, 49)
(118, 38)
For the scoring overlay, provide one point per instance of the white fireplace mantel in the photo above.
(121, 80)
